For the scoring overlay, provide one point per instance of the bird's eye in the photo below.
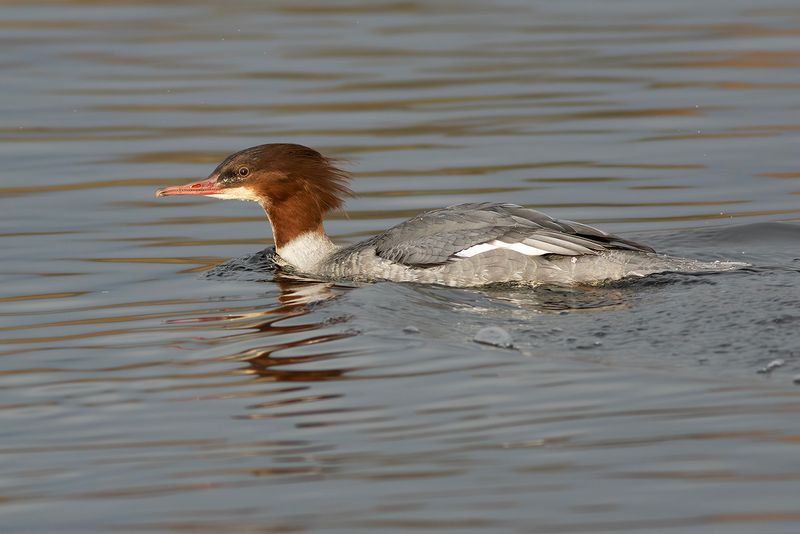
(243, 171)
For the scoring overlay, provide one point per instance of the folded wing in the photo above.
(466, 230)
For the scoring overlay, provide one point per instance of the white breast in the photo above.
(305, 251)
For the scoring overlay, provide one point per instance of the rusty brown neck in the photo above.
(292, 217)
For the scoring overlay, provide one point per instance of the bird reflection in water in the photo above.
(296, 297)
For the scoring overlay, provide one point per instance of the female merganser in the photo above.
(461, 246)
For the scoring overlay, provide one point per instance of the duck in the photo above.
(464, 245)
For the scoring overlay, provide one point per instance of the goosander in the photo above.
(460, 246)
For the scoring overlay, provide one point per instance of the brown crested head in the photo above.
(272, 174)
(277, 172)
(295, 184)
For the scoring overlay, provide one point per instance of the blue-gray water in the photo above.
(146, 385)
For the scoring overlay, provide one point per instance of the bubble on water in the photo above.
(771, 366)
(495, 336)
(411, 330)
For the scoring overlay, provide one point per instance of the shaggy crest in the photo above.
(295, 185)
(288, 170)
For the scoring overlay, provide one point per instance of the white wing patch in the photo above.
(522, 248)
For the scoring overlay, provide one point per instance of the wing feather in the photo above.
(456, 232)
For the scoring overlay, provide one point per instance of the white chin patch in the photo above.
(237, 193)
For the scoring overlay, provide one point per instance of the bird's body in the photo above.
(478, 244)
(464, 245)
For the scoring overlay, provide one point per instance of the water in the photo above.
(157, 376)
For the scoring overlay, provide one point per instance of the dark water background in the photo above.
(142, 392)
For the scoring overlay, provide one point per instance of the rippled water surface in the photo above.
(157, 376)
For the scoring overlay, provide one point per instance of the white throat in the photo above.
(306, 251)
(237, 193)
